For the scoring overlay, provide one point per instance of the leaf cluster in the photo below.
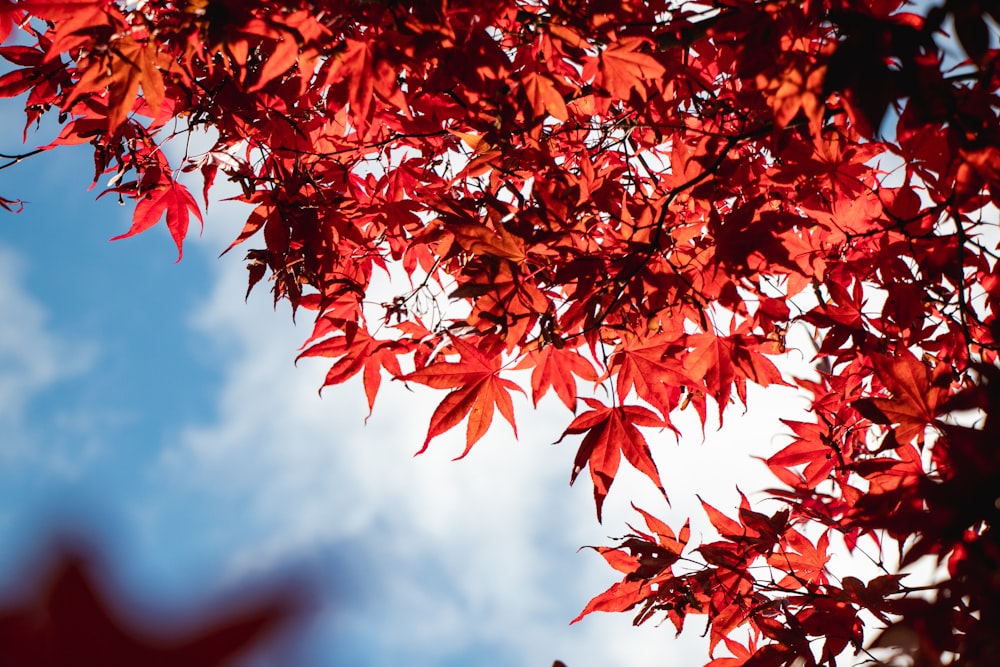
(627, 204)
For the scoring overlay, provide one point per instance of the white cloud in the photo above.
(477, 552)
(32, 359)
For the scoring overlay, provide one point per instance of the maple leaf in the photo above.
(804, 561)
(125, 63)
(726, 527)
(136, 64)
(650, 367)
(353, 66)
(477, 390)
(611, 432)
(672, 543)
(915, 403)
(209, 163)
(625, 68)
(794, 90)
(12, 205)
(358, 351)
(57, 10)
(9, 15)
(721, 362)
(711, 362)
(622, 596)
(170, 198)
(480, 240)
(264, 215)
(16, 82)
(554, 367)
(812, 446)
(282, 55)
(544, 97)
(740, 652)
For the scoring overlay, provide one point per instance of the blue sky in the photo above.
(144, 402)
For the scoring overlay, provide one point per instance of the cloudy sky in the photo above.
(145, 403)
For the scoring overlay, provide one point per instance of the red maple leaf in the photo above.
(622, 596)
(610, 433)
(543, 96)
(813, 447)
(711, 362)
(651, 367)
(168, 197)
(477, 390)
(357, 350)
(624, 68)
(665, 537)
(916, 401)
(135, 64)
(56, 10)
(555, 368)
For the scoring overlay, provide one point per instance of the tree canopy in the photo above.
(627, 204)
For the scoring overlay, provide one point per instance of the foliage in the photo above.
(636, 198)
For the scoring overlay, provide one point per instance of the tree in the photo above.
(636, 198)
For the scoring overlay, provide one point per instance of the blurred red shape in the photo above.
(69, 617)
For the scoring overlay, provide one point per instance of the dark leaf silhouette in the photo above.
(70, 617)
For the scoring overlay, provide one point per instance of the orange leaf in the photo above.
(543, 96)
(624, 68)
(481, 240)
(134, 65)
